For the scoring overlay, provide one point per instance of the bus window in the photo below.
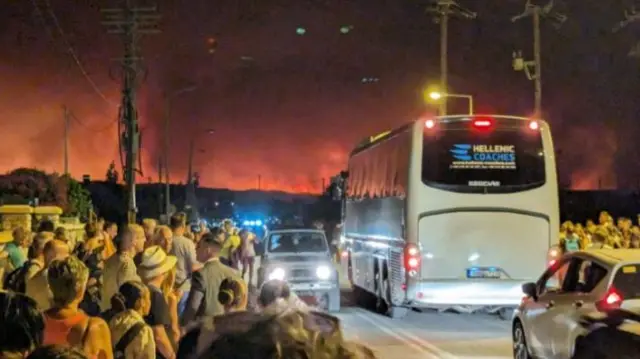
(501, 160)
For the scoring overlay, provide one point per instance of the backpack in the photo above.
(16, 281)
(127, 338)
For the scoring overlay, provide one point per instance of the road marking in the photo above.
(417, 344)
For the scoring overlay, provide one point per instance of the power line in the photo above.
(94, 130)
(74, 55)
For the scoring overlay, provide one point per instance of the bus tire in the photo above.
(396, 312)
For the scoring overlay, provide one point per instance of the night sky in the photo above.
(287, 107)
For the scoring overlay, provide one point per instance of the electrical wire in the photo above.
(99, 130)
(73, 53)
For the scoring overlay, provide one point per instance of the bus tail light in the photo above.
(553, 255)
(411, 257)
(611, 300)
(482, 123)
(534, 125)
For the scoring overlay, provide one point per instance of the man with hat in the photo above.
(155, 266)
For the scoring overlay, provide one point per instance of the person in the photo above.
(120, 268)
(18, 278)
(233, 295)
(21, 325)
(185, 251)
(108, 235)
(599, 240)
(46, 225)
(91, 253)
(230, 244)
(131, 337)
(5, 263)
(163, 238)
(203, 298)
(154, 267)
(57, 352)
(276, 296)
(292, 335)
(38, 286)
(65, 323)
(149, 225)
(247, 253)
(172, 296)
(18, 248)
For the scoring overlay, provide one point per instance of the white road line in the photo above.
(423, 348)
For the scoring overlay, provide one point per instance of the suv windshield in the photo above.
(296, 242)
(504, 160)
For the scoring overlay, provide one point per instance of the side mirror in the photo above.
(530, 290)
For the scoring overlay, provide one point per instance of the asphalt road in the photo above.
(425, 334)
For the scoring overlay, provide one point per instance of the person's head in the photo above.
(178, 222)
(21, 237)
(46, 225)
(293, 335)
(60, 234)
(149, 225)
(91, 230)
(132, 295)
(244, 233)
(39, 242)
(208, 247)
(273, 290)
(635, 240)
(599, 236)
(139, 238)
(67, 280)
(55, 249)
(155, 265)
(111, 228)
(57, 352)
(163, 238)
(233, 295)
(100, 224)
(21, 325)
(227, 225)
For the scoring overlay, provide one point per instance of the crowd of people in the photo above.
(152, 291)
(607, 233)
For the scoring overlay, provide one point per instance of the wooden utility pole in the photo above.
(130, 22)
(67, 117)
(443, 11)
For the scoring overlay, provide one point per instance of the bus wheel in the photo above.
(383, 302)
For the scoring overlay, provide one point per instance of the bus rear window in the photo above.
(627, 281)
(460, 159)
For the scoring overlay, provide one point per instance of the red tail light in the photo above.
(612, 300)
(552, 262)
(411, 257)
(482, 123)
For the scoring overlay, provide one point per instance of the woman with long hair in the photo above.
(172, 296)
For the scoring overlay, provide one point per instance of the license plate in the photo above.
(474, 273)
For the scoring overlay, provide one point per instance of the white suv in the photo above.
(546, 324)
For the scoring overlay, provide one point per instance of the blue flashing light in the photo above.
(258, 223)
(246, 223)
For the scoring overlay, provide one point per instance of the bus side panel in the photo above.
(374, 226)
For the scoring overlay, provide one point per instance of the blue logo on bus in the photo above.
(461, 152)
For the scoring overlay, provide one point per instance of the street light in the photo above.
(436, 96)
(167, 118)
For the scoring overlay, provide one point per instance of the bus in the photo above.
(451, 213)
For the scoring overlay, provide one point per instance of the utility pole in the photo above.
(443, 10)
(533, 69)
(67, 117)
(130, 22)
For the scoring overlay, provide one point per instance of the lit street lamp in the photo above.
(437, 96)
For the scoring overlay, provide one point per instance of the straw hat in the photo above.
(155, 262)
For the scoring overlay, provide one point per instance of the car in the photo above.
(547, 323)
(611, 335)
(302, 258)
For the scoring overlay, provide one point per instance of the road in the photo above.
(425, 335)
(428, 335)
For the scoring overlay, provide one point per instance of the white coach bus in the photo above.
(452, 212)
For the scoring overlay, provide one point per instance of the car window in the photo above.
(297, 242)
(554, 277)
(590, 275)
(627, 281)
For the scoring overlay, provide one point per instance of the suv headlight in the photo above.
(323, 272)
(277, 274)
